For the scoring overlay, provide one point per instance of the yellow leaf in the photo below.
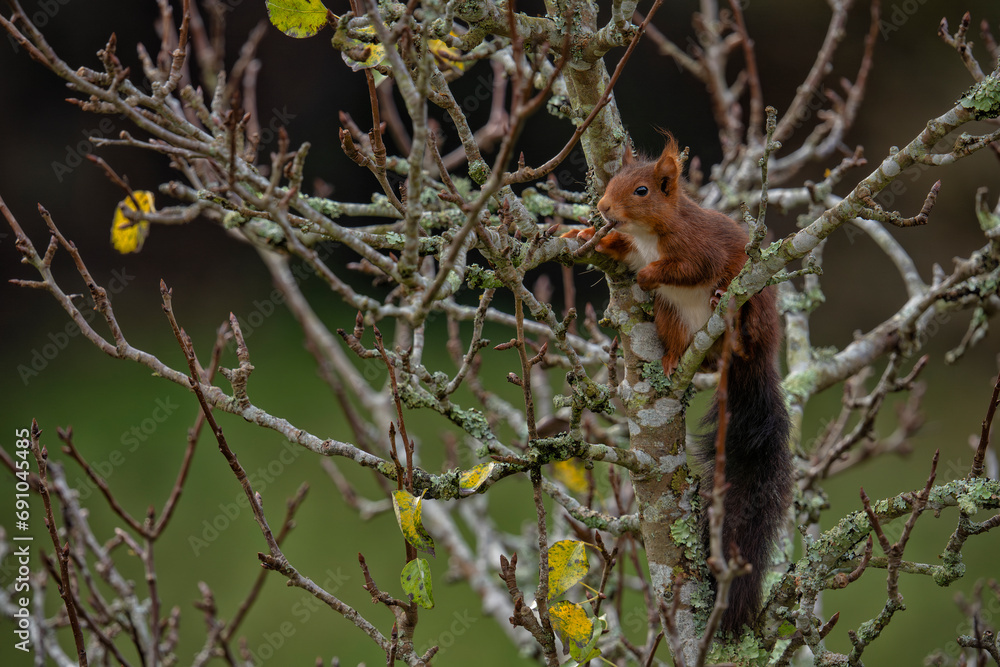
(572, 474)
(128, 236)
(567, 566)
(573, 627)
(361, 55)
(416, 581)
(584, 654)
(407, 508)
(297, 18)
(445, 56)
(471, 479)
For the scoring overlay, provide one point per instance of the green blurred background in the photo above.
(304, 83)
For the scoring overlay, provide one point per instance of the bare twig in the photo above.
(64, 580)
(984, 437)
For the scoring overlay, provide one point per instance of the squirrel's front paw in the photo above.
(614, 245)
(648, 279)
(583, 234)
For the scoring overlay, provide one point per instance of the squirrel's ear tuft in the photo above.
(670, 144)
(628, 156)
(668, 168)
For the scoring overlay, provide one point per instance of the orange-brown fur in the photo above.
(688, 255)
(694, 246)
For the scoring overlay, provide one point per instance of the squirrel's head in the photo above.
(644, 192)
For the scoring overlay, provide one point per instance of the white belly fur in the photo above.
(694, 303)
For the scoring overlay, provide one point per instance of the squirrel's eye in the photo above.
(641, 191)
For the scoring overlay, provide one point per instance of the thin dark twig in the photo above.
(407, 443)
(984, 437)
(526, 370)
(215, 627)
(594, 240)
(64, 581)
(524, 174)
(70, 449)
(668, 619)
(378, 595)
(194, 379)
(452, 195)
(275, 559)
(753, 75)
(894, 562)
(542, 594)
(919, 503)
(610, 559)
(293, 505)
(652, 651)
(856, 572)
(116, 179)
(724, 569)
(145, 554)
(192, 439)
(392, 118)
(873, 520)
(95, 630)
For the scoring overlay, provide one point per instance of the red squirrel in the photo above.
(687, 255)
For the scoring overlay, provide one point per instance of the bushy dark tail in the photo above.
(759, 473)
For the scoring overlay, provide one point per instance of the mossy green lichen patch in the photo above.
(983, 98)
